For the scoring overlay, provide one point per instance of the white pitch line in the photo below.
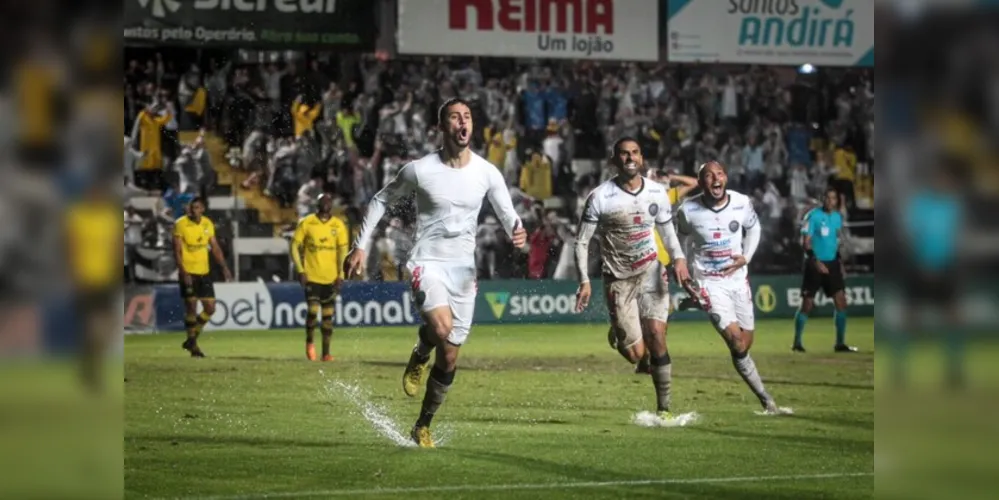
(537, 486)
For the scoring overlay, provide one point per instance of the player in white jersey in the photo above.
(624, 211)
(450, 185)
(712, 225)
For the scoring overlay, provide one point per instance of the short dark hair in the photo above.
(198, 199)
(442, 111)
(620, 142)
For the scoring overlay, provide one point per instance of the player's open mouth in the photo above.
(463, 134)
(717, 189)
(631, 165)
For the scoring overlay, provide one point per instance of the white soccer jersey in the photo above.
(715, 235)
(625, 223)
(448, 202)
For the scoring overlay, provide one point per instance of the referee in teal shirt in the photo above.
(821, 230)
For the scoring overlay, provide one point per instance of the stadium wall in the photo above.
(265, 306)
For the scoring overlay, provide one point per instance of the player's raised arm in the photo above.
(403, 184)
(499, 197)
(664, 226)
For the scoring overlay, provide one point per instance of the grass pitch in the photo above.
(537, 411)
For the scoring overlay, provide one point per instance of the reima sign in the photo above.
(568, 29)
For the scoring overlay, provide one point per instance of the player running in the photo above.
(626, 210)
(821, 231)
(712, 225)
(323, 238)
(677, 187)
(450, 185)
(193, 237)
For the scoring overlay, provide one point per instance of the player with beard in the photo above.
(193, 239)
(449, 185)
(323, 240)
(624, 211)
(712, 224)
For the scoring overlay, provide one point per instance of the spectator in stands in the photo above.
(133, 238)
(536, 176)
(149, 127)
(845, 162)
(753, 162)
(543, 242)
(307, 196)
(304, 116)
(347, 120)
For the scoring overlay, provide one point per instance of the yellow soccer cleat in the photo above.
(421, 436)
(666, 416)
(412, 379)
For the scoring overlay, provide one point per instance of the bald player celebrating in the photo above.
(722, 232)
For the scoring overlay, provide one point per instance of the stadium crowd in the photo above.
(308, 126)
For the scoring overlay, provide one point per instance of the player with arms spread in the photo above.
(712, 224)
(450, 185)
(625, 211)
(821, 233)
(193, 236)
(324, 239)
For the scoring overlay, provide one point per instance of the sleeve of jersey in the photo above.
(750, 219)
(499, 197)
(682, 227)
(590, 210)
(400, 186)
(665, 213)
(805, 224)
(587, 227)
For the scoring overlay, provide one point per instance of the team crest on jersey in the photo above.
(733, 226)
(653, 209)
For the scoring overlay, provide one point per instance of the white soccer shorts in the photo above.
(631, 300)
(653, 302)
(728, 302)
(437, 284)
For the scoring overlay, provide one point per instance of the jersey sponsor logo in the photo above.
(714, 254)
(639, 235)
(733, 226)
(716, 235)
(645, 260)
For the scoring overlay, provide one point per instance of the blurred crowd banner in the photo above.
(263, 306)
(779, 32)
(267, 24)
(624, 30)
